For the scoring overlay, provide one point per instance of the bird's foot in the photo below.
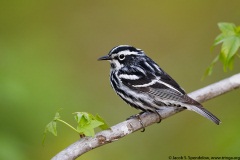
(159, 116)
(137, 116)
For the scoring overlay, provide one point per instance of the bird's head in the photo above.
(123, 55)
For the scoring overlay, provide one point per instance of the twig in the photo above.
(129, 126)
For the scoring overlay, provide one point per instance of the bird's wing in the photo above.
(159, 87)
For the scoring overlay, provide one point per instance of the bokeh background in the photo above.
(48, 61)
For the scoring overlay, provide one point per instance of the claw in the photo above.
(139, 119)
(160, 117)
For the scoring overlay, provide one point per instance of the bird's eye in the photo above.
(121, 56)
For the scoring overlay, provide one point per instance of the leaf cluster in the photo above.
(86, 123)
(230, 40)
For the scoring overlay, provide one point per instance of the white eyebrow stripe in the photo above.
(127, 52)
(119, 47)
(127, 76)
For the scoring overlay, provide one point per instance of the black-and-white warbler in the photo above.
(140, 82)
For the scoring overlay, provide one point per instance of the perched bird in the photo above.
(140, 82)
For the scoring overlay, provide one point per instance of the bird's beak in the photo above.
(104, 58)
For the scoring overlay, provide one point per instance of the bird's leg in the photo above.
(137, 116)
(159, 116)
(140, 121)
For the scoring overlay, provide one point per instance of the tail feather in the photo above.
(198, 108)
(205, 113)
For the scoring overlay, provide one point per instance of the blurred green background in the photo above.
(48, 60)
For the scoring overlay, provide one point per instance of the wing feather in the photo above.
(159, 88)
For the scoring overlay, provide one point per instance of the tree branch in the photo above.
(129, 126)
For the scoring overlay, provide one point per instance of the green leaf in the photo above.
(227, 29)
(88, 129)
(57, 116)
(87, 123)
(228, 50)
(230, 39)
(230, 63)
(78, 116)
(83, 118)
(218, 39)
(50, 127)
(234, 44)
(104, 125)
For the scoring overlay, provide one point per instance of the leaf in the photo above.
(83, 117)
(50, 127)
(234, 44)
(104, 125)
(227, 28)
(57, 116)
(88, 129)
(228, 50)
(78, 116)
(230, 64)
(87, 123)
(230, 39)
(218, 39)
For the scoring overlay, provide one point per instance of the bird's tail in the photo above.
(205, 113)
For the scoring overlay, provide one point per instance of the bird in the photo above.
(141, 83)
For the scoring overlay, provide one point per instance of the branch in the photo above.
(129, 126)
